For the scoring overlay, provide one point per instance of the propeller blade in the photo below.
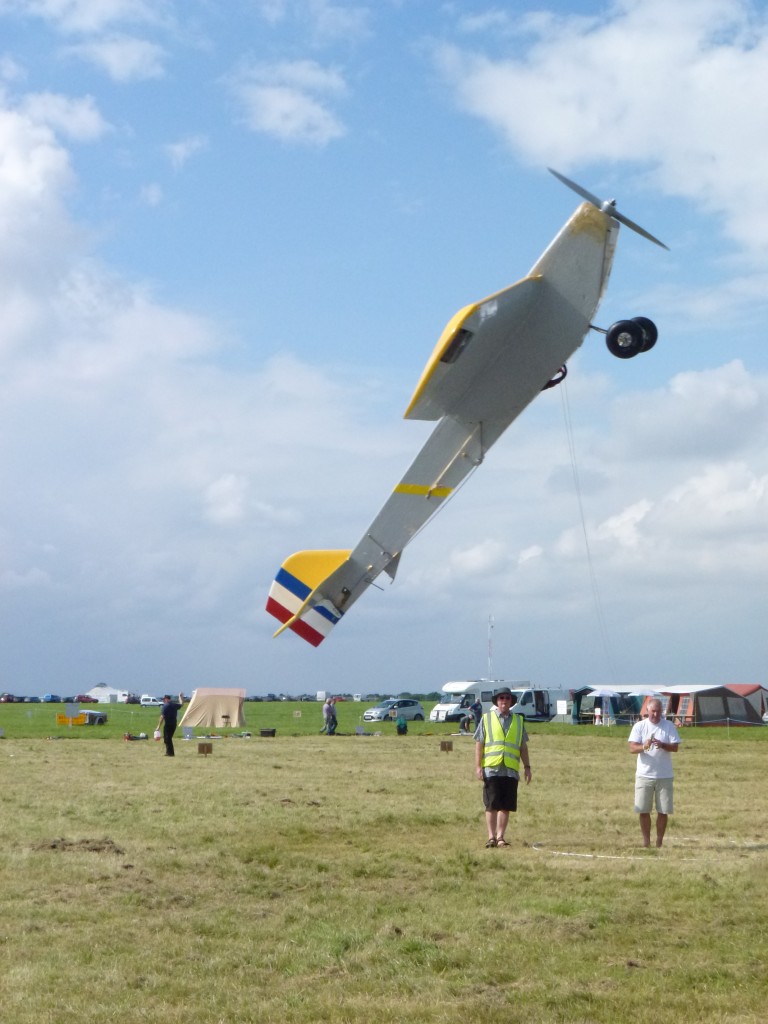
(607, 206)
(577, 189)
(636, 227)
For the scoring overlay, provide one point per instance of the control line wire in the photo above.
(601, 621)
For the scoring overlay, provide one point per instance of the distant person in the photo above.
(501, 745)
(329, 717)
(327, 713)
(654, 740)
(168, 720)
(476, 710)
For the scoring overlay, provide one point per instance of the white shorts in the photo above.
(644, 793)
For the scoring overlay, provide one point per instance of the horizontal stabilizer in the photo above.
(296, 598)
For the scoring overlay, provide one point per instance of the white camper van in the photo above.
(533, 702)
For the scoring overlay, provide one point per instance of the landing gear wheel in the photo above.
(650, 331)
(625, 339)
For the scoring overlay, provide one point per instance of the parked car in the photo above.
(51, 698)
(7, 698)
(401, 707)
(150, 702)
(83, 698)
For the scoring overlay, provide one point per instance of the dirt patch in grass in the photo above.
(80, 846)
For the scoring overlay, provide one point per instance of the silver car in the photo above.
(401, 707)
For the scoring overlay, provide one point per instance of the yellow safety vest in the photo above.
(498, 748)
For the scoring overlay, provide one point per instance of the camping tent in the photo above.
(215, 706)
(619, 704)
(708, 705)
(756, 694)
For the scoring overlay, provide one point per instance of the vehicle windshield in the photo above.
(455, 698)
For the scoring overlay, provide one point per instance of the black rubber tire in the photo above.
(650, 332)
(625, 339)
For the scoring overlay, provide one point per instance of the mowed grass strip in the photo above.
(319, 878)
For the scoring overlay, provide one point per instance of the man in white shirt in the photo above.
(654, 740)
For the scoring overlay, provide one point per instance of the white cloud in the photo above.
(10, 70)
(33, 165)
(289, 100)
(327, 22)
(272, 11)
(78, 119)
(332, 21)
(183, 150)
(32, 578)
(226, 499)
(124, 58)
(477, 559)
(717, 411)
(151, 194)
(87, 15)
(676, 88)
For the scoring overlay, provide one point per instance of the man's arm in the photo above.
(524, 757)
(637, 746)
(479, 747)
(671, 747)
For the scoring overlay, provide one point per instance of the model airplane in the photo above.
(493, 358)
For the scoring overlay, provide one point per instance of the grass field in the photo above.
(309, 878)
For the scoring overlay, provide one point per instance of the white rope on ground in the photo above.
(741, 844)
(587, 856)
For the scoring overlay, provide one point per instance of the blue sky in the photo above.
(231, 236)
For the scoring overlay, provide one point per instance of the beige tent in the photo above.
(215, 707)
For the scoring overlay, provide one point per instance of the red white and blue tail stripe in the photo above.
(295, 597)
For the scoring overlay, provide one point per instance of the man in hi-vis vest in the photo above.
(501, 747)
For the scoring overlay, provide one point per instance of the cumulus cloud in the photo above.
(124, 58)
(325, 21)
(78, 119)
(226, 499)
(78, 16)
(331, 21)
(272, 11)
(289, 100)
(179, 153)
(675, 88)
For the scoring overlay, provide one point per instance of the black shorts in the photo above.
(500, 793)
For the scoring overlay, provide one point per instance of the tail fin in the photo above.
(294, 596)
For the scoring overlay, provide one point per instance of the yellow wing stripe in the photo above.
(423, 491)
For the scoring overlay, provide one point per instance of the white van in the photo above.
(532, 702)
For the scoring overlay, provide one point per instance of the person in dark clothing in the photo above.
(168, 720)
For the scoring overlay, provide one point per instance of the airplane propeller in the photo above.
(607, 206)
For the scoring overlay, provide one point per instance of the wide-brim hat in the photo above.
(502, 691)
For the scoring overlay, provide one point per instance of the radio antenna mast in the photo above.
(491, 624)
